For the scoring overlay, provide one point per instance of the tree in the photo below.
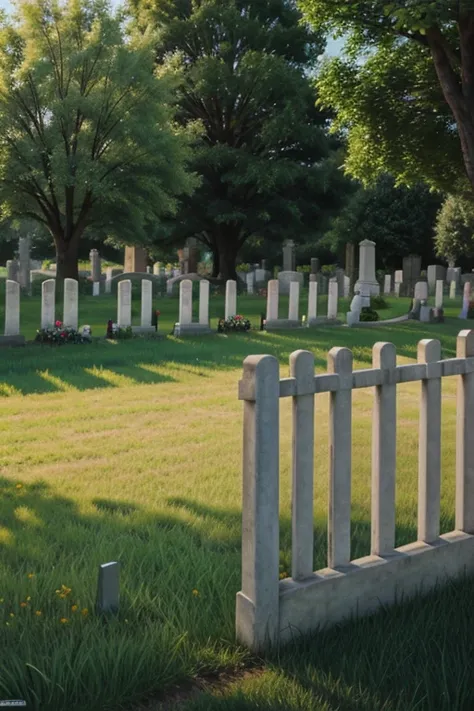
(415, 71)
(86, 125)
(264, 155)
(454, 231)
(399, 220)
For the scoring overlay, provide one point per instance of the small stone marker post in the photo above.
(452, 290)
(332, 300)
(24, 255)
(48, 303)
(12, 308)
(250, 278)
(96, 288)
(293, 309)
(272, 300)
(204, 302)
(185, 302)
(147, 303)
(108, 588)
(312, 302)
(439, 294)
(387, 284)
(108, 280)
(124, 304)
(71, 303)
(230, 298)
(96, 268)
(12, 270)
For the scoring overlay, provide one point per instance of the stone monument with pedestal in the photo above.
(367, 281)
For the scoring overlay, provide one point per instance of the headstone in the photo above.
(48, 303)
(285, 279)
(148, 270)
(71, 303)
(398, 276)
(323, 286)
(350, 265)
(398, 286)
(452, 290)
(289, 263)
(293, 310)
(264, 264)
(13, 270)
(357, 304)
(169, 287)
(147, 303)
(96, 268)
(426, 314)
(24, 259)
(261, 276)
(135, 260)
(387, 284)
(340, 281)
(439, 294)
(124, 303)
(272, 299)
(421, 291)
(157, 268)
(250, 278)
(347, 287)
(435, 273)
(453, 274)
(411, 273)
(230, 298)
(352, 318)
(108, 588)
(312, 302)
(314, 265)
(108, 280)
(96, 288)
(185, 302)
(332, 300)
(466, 300)
(204, 302)
(12, 308)
(367, 267)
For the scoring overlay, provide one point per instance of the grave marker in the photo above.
(124, 303)
(48, 303)
(71, 303)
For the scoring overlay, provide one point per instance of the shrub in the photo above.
(60, 335)
(243, 267)
(368, 314)
(305, 269)
(378, 303)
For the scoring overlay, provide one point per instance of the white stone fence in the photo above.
(270, 611)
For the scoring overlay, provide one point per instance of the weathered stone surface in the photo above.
(273, 290)
(13, 269)
(312, 301)
(436, 273)
(439, 294)
(230, 298)
(185, 302)
(294, 303)
(332, 300)
(12, 308)
(135, 259)
(367, 267)
(421, 290)
(250, 279)
(96, 265)
(387, 284)
(147, 303)
(285, 279)
(71, 303)
(48, 303)
(124, 303)
(289, 263)
(204, 302)
(24, 258)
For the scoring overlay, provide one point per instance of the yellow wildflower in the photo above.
(28, 598)
(2, 599)
(84, 612)
(19, 486)
(31, 575)
(23, 604)
(12, 614)
(64, 620)
(283, 575)
(74, 608)
(63, 591)
(38, 613)
(7, 624)
(196, 592)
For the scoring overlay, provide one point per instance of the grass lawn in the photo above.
(131, 451)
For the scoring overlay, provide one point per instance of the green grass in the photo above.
(131, 451)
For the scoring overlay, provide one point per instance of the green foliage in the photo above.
(86, 124)
(454, 230)
(378, 303)
(367, 313)
(265, 161)
(399, 220)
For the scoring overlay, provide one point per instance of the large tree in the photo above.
(454, 231)
(87, 132)
(263, 156)
(410, 70)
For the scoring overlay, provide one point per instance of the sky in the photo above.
(333, 46)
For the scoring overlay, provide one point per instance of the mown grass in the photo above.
(131, 451)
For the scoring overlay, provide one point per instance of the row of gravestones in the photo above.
(403, 281)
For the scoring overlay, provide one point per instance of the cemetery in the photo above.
(236, 356)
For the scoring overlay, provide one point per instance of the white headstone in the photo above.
(250, 278)
(185, 302)
(439, 294)
(367, 267)
(347, 286)
(332, 300)
(12, 308)
(71, 303)
(397, 288)
(96, 265)
(96, 288)
(312, 300)
(108, 280)
(147, 303)
(466, 300)
(421, 291)
(124, 303)
(387, 284)
(357, 304)
(452, 290)
(230, 298)
(24, 257)
(156, 268)
(293, 309)
(272, 300)
(204, 302)
(48, 303)
(399, 276)
(12, 270)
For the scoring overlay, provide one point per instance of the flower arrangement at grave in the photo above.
(59, 334)
(234, 323)
(114, 332)
(470, 310)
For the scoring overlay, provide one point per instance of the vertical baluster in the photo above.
(384, 433)
(465, 439)
(302, 369)
(429, 452)
(340, 453)
(257, 616)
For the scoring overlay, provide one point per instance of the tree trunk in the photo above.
(228, 249)
(66, 259)
(215, 262)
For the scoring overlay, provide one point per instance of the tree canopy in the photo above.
(454, 231)
(87, 130)
(405, 94)
(264, 157)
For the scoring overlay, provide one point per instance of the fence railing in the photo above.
(270, 610)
